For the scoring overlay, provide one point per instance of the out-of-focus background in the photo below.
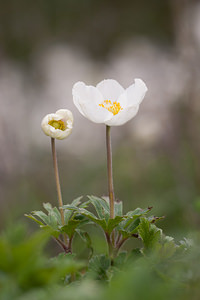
(45, 47)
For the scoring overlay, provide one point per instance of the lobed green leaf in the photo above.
(101, 206)
(69, 228)
(149, 234)
(113, 223)
(118, 208)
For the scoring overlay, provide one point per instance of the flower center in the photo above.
(58, 124)
(113, 107)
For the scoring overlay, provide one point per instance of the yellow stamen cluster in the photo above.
(58, 124)
(114, 107)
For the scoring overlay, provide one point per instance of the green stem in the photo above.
(60, 202)
(110, 174)
(63, 246)
(109, 242)
(120, 244)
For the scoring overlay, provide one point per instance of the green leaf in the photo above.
(69, 210)
(105, 203)
(83, 220)
(84, 204)
(138, 212)
(124, 233)
(69, 228)
(90, 215)
(133, 226)
(77, 201)
(67, 215)
(50, 219)
(53, 220)
(34, 219)
(47, 206)
(99, 266)
(118, 208)
(101, 206)
(149, 234)
(131, 216)
(42, 216)
(51, 231)
(56, 213)
(97, 205)
(112, 223)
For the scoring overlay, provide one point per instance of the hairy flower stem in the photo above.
(110, 174)
(60, 202)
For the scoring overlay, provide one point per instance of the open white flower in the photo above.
(58, 125)
(109, 102)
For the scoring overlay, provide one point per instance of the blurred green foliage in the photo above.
(26, 272)
(24, 265)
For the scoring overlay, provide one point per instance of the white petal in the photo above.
(87, 100)
(76, 91)
(50, 117)
(44, 124)
(110, 89)
(60, 134)
(134, 94)
(123, 99)
(46, 128)
(124, 116)
(65, 114)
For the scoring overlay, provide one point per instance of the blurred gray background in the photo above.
(45, 47)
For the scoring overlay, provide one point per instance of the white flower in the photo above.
(109, 102)
(58, 125)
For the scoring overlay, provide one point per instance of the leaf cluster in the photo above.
(51, 221)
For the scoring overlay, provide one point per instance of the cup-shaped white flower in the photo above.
(109, 102)
(58, 125)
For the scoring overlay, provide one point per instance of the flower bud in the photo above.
(58, 125)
